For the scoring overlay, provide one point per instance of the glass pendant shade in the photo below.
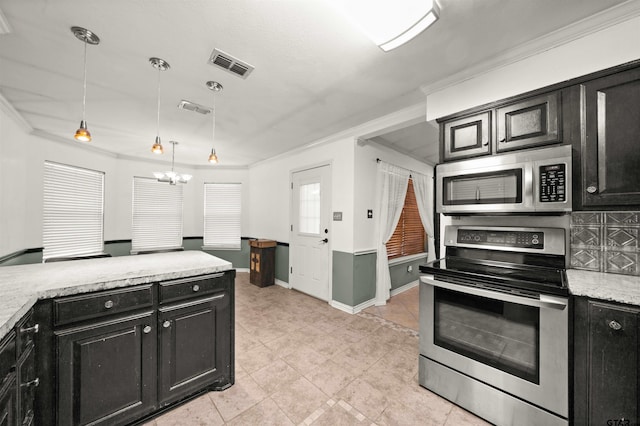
(213, 158)
(83, 134)
(157, 146)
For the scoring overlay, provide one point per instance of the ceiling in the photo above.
(314, 73)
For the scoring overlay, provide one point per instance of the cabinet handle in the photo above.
(146, 329)
(592, 189)
(166, 324)
(108, 304)
(615, 325)
(196, 288)
(33, 329)
(35, 382)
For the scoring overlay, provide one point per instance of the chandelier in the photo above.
(215, 87)
(87, 37)
(172, 177)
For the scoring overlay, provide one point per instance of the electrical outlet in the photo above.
(410, 268)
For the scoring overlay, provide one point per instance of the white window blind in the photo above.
(156, 216)
(222, 208)
(72, 212)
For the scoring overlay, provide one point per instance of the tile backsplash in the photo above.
(606, 242)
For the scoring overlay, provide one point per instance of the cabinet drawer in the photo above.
(78, 308)
(191, 287)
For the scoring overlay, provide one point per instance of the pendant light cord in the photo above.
(158, 119)
(84, 83)
(213, 114)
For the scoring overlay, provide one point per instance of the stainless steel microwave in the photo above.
(533, 181)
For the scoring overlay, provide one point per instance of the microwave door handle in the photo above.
(528, 195)
(543, 302)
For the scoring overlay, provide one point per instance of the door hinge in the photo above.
(291, 185)
(291, 270)
(291, 228)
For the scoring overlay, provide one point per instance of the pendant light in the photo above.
(87, 37)
(215, 87)
(160, 65)
(172, 177)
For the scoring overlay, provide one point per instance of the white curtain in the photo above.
(423, 187)
(392, 189)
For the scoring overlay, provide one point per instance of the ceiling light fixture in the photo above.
(172, 177)
(215, 87)
(87, 37)
(390, 24)
(160, 65)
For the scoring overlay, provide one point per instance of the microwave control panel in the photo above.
(519, 239)
(552, 183)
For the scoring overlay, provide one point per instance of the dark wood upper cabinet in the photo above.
(610, 145)
(529, 123)
(464, 137)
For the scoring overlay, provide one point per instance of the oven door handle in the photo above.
(545, 301)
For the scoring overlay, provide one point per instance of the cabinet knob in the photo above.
(615, 325)
(592, 189)
(108, 304)
(196, 287)
(146, 329)
(35, 382)
(33, 329)
(166, 324)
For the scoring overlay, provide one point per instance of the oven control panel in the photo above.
(521, 239)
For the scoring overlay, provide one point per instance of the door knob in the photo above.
(615, 325)
(146, 329)
(166, 324)
(326, 240)
(592, 189)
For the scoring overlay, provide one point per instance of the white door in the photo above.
(310, 236)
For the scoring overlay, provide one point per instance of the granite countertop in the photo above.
(600, 285)
(22, 285)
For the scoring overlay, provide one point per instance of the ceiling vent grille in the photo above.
(192, 106)
(230, 64)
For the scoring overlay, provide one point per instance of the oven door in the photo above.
(516, 344)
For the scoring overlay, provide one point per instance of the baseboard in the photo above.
(352, 309)
(283, 284)
(404, 288)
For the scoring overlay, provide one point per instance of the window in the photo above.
(409, 237)
(72, 212)
(157, 215)
(222, 208)
(309, 219)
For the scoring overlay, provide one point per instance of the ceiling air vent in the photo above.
(191, 106)
(230, 64)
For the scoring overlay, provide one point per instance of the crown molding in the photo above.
(11, 112)
(5, 28)
(592, 24)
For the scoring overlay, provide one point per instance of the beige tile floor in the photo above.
(401, 309)
(301, 362)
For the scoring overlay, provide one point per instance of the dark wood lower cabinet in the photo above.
(8, 402)
(194, 346)
(107, 371)
(607, 365)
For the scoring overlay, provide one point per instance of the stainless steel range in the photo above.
(494, 324)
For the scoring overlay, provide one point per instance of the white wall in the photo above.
(22, 156)
(603, 49)
(270, 192)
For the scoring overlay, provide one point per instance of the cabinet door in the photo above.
(27, 385)
(466, 137)
(529, 123)
(195, 346)
(107, 371)
(611, 157)
(613, 368)
(8, 402)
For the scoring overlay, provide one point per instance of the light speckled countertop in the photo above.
(22, 285)
(600, 285)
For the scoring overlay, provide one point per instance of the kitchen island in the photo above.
(114, 340)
